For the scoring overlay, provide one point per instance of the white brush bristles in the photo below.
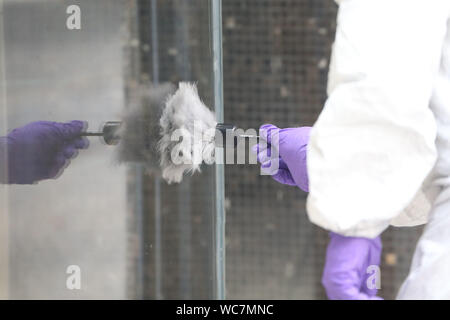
(187, 134)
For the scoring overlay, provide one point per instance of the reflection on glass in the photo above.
(102, 224)
(173, 251)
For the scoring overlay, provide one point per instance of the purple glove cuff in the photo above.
(350, 263)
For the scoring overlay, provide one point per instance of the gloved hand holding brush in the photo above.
(345, 273)
(39, 150)
(292, 143)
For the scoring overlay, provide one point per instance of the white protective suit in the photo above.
(379, 153)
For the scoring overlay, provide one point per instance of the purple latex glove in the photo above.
(346, 268)
(291, 146)
(41, 150)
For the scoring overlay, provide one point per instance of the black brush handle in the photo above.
(110, 133)
(221, 135)
(92, 134)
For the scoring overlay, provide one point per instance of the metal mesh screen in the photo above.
(276, 56)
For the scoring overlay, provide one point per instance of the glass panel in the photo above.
(177, 220)
(129, 233)
(56, 74)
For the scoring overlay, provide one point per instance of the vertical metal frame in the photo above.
(157, 182)
(219, 218)
(4, 221)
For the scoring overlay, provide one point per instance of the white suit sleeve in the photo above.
(374, 142)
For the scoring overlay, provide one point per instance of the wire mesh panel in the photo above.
(276, 56)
